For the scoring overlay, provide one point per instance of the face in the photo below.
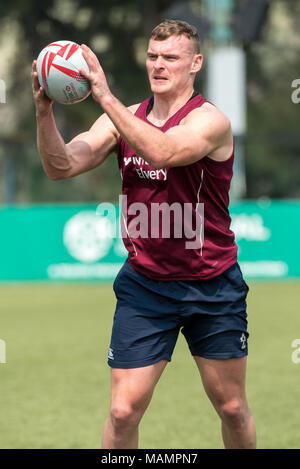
(172, 64)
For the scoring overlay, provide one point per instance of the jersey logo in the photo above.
(144, 173)
(152, 174)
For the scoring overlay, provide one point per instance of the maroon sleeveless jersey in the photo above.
(163, 209)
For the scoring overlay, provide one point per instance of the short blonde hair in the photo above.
(176, 28)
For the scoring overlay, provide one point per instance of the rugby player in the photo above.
(174, 148)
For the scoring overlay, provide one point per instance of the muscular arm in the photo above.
(204, 132)
(86, 151)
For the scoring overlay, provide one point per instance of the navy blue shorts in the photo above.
(149, 314)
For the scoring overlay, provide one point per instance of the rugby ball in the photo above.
(58, 66)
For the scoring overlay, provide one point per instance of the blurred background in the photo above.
(251, 69)
(266, 32)
(49, 235)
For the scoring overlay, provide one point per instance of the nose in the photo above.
(159, 62)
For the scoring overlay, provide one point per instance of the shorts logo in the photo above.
(243, 340)
(110, 354)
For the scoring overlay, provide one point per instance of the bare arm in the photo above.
(84, 152)
(204, 132)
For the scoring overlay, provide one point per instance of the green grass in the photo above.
(54, 388)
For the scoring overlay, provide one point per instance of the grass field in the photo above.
(54, 387)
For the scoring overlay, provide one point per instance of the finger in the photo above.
(88, 76)
(42, 92)
(43, 95)
(86, 56)
(85, 48)
(90, 58)
(34, 75)
(36, 87)
(35, 81)
(84, 73)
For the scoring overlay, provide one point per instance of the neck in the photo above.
(165, 106)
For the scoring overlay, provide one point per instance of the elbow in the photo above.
(55, 175)
(57, 166)
(162, 156)
(159, 162)
(59, 176)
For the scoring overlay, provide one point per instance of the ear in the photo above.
(197, 63)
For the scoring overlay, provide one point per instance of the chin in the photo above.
(158, 89)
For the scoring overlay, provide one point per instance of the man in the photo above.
(173, 148)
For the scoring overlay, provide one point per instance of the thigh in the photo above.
(145, 326)
(141, 336)
(217, 337)
(216, 320)
(223, 380)
(133, 388)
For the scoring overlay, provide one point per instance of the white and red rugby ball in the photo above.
(58, 66)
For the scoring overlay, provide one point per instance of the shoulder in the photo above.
(208, 115)
(213, 127)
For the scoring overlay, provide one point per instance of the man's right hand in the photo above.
(43, 104)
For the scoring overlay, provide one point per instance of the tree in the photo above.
(116, 30)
